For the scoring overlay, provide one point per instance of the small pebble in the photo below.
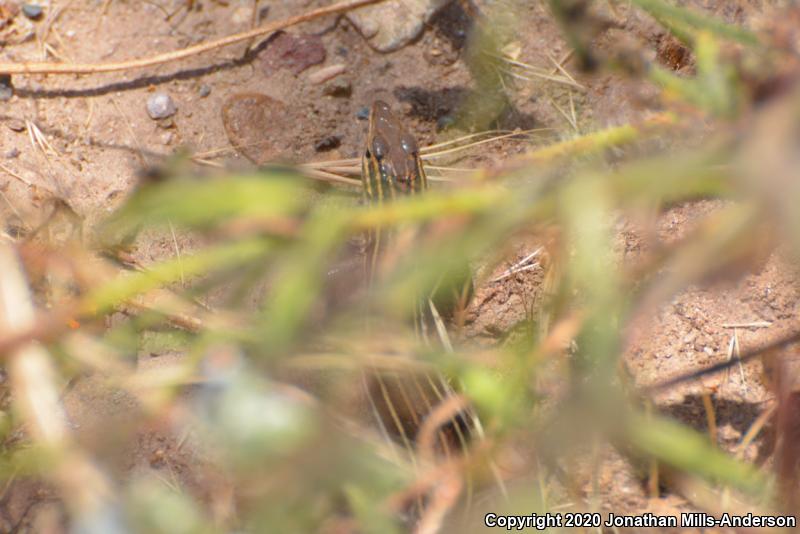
(6, 89)
(242, 15)
(15, 125)
(167, 138)
(11, 154)
(166, 124)
(363, 113)
(160, 106)
(32, 11)
(328, 143)
(205, 90)
(339, 87)
(445, 122)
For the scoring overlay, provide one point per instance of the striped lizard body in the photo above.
(392, 168)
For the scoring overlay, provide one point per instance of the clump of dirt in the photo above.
(257, 126)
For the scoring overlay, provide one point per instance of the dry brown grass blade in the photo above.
(755, 429)
(326, 176)
(335, 170)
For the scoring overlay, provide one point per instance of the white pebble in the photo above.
(160, 106)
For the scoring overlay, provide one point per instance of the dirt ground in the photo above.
(99, 138)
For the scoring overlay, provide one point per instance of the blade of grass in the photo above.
(690, 451)
(123, 288)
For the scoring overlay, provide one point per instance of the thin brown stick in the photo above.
(754, 430)
(711, 417)
(92, 68)
(443, 499)
(329, 176)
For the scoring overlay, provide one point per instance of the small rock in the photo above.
(439, 52)
(339, 87)
(328, 143)
(242, 15)
(6, 89)
(8, 10)
(32, 11)
(444, 122)
(160, 106)
(15, 125)
(386, 67)
(363, 113)
(295, 53)
(205, 90)
(11, 154)
(167, 138)
(166, 124)
(326, 73)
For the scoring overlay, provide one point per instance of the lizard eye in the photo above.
(409, 145)
(379, 148)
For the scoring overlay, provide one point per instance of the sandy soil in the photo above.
(101, 136)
